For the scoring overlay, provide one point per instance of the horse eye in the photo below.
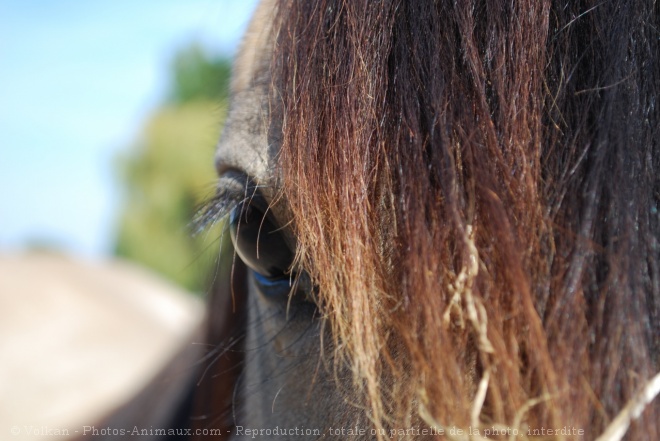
(259, 242)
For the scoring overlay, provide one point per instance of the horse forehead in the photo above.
(254, 48)
(244, 143)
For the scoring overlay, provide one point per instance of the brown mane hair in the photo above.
(474, 188)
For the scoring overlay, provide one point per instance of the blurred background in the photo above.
(109, 113)
(109, 116)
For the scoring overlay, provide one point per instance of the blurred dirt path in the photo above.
(78, 339)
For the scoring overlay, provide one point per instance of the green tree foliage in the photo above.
(169, 172)
(198, 77)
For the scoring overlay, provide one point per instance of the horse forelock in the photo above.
(472, 190)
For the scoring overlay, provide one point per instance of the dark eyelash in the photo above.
(215, 209)
(233, 190)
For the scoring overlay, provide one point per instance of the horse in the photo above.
(443, 224)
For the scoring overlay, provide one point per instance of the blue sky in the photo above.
(77, 80)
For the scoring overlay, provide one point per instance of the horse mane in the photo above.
(474, 189)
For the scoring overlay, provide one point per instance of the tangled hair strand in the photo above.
(474, 188)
